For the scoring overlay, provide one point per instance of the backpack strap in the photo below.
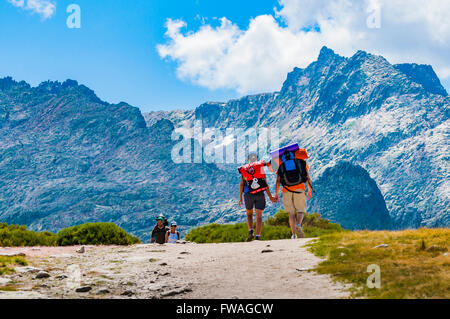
(286, 188)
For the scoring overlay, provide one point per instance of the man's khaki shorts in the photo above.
(294, 202)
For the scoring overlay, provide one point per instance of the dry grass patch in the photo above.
(414, 265)
(7, 263)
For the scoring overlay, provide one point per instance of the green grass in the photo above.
(85, 234)
(6, 264)
(412, 266)
(276, 227)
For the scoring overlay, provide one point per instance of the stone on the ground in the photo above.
(103, 291)
(61, 256)
(382, 246)
(83, 289)
(266, 251)
(176, 292)
(42, 275)
(3, 281)
(81, 250)
(28, 269)
(127, 293)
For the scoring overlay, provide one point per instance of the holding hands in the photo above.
(274, 199)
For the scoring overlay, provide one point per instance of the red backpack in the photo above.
(254, 176)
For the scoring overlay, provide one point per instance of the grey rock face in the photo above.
(424, 75)
(67, 158)
(345, 193)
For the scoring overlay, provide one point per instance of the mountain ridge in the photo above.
(338, 98)
(68, 157)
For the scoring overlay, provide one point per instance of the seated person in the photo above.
(172, 235)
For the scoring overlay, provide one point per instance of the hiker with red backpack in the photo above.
(253, 185)
(292, 173)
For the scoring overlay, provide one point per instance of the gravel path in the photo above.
(260, 269)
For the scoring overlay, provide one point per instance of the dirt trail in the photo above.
(229, 270)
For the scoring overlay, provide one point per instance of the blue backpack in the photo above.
(292, 170)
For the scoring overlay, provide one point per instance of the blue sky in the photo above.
(115, 52)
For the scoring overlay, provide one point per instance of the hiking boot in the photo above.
(300, 233)
(294, 236)
(257, 237)
(250, 235)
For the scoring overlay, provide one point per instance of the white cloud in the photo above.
(17, 3)
(44, 8)
(258, 58)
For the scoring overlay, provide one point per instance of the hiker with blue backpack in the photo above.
(292, 172)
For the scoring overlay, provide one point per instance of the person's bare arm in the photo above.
(152, 239)
(241, 190)
(167, 236)
(272, 199)
(309, 183)
(277, 188)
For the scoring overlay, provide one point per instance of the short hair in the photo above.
(252, 157)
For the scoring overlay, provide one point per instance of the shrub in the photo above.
(313, 224)
(276, 227)
(15, 235)
(216, 233)
(95, 234)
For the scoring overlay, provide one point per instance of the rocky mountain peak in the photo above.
(424, 75)
(208, 112)
(326, 54)
(163, 127)
(8, 83)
